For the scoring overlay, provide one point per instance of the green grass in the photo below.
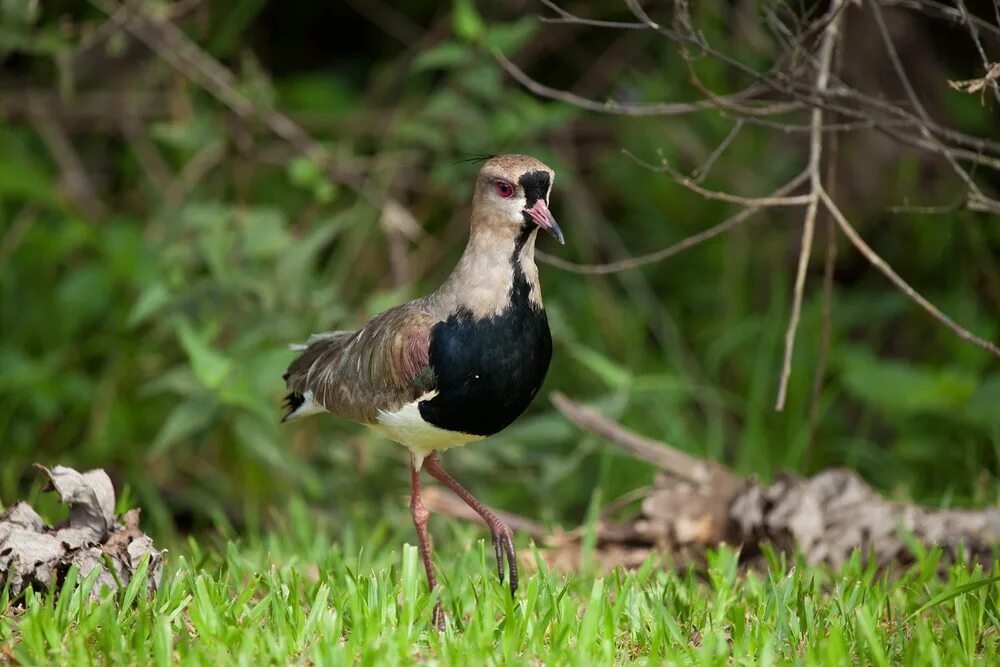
(300, 597)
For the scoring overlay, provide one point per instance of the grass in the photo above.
(297, 596)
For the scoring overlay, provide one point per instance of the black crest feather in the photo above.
(476, 158)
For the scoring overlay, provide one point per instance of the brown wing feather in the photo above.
(382, 366)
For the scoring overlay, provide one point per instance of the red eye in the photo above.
(505, 189)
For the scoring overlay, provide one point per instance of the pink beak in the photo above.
(540, 214)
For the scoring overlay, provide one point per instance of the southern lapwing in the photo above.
(455, 366)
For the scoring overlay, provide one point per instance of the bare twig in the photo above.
(976, 196)
(640, 13)
(755, 202)
(944, 209)
(86, 111)
(75, 178)
(195, 169)
(941, 11)
(670, 251)
(173, 46)
(611, 106)
(908, 124)
(840, 98)
(829, 266)
(903, 286)
(157, 170)
(566, 17)
(830, 37)
(701, 172)
(992, 70)
(624, 500)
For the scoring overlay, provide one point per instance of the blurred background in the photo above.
(164, 234)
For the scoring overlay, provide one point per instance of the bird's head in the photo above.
(512, 193)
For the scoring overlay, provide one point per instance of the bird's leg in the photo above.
(503, 538)
(420, 516)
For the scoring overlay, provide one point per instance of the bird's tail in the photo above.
(300, 405)
(293, 402)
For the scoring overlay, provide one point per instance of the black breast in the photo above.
(488, 370)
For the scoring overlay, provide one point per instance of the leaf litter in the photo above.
(34, 555)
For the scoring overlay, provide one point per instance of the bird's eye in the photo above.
(505, 189)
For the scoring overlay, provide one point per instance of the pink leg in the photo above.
(503, 538)
(420, 516)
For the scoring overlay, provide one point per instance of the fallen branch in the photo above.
(697, 505)
(670, 460)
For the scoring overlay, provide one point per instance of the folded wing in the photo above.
(357, 374)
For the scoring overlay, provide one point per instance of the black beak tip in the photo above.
(557, 234)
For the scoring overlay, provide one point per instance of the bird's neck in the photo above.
(495, 257)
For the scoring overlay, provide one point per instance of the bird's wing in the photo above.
(382, 366)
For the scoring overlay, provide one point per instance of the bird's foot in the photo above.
(503, 544)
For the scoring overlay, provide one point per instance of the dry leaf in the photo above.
(35, 555)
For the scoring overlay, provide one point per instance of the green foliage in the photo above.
(466, 21)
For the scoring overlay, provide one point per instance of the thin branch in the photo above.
(745, 111)
(943, 12)
(829, 266)
(949, 152)
(756, 202)
(974, 33)
(976, 195)
(829, 43)
(640, 13)
(943, 209)
(566, 17)
(149, 158)
(75, 177)
(903, 286)
(196, 169)
(670, 251)
(173, 46)
(624, 500)
(701, 172)
(785, 83)
(611, 106)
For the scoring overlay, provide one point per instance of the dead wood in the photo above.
(695, 505)
(33, 555)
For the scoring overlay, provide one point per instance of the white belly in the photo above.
(408, 428)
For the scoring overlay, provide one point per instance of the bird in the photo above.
(457, 365)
